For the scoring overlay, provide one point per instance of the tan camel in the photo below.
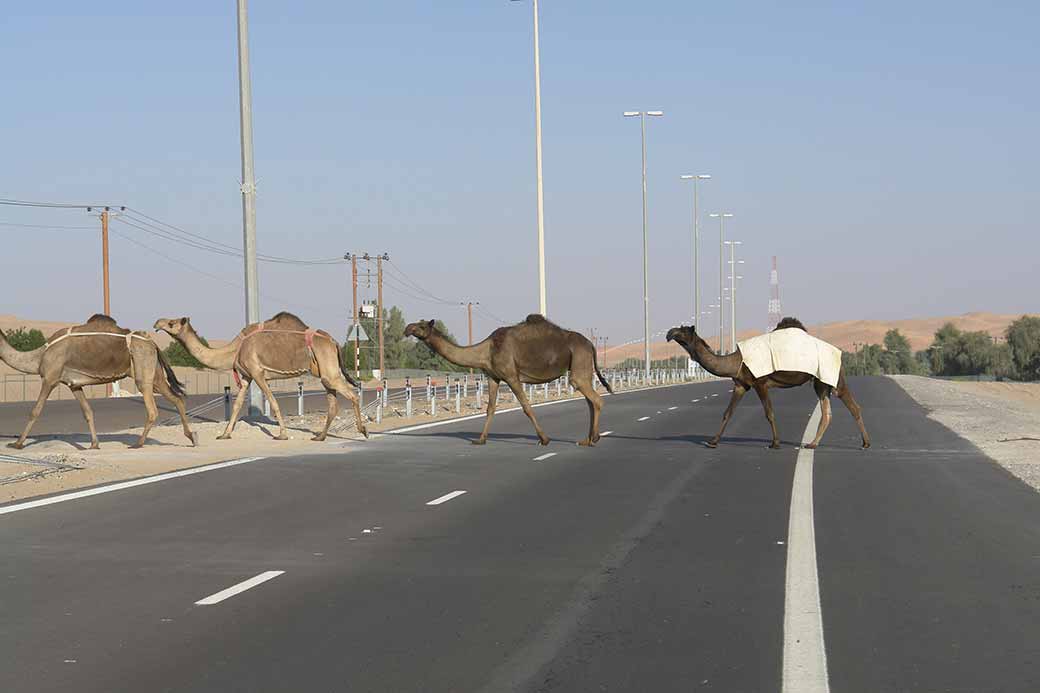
(732, 366)
(94, 353)
(279, 348)
(533, 351)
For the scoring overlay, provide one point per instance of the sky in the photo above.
(885, 152)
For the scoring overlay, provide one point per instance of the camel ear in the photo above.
(184, 321)
(431, 323)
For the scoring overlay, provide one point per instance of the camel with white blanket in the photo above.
(787, 357)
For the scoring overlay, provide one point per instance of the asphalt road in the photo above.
(647, 564)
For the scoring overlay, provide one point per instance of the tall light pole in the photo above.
(542, 307)
(245, 110)
(646, 293)
(722, 216)
(696, 243)
(733, 293)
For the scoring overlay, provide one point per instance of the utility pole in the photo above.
(469, 317)
(245, 104)
(104, 260)
(379, 316)
(357, 331)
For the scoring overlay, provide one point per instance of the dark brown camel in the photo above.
(534, 351)
(732, 366)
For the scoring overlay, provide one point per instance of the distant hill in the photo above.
(846, 334)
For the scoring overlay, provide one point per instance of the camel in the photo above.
(732, 366)
(533, 351)
(94, 353)
(279, 348)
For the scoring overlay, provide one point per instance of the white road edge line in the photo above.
(643, 418)
(545, 456)
(239, 588)
(805, 656)
(446, 497)
(124, 485)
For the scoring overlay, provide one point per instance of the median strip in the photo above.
(240, 587)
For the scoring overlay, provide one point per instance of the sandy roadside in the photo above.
(993, 416)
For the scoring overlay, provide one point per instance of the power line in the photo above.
(49, 227)
(53, 205)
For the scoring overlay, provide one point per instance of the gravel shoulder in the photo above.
(993, 416)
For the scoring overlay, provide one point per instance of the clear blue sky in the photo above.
(885, 151)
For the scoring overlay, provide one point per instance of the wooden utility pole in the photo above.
(469, 319)
(104, 260)
(357, 330)
(379, 312)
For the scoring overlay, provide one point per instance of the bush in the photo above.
(25, 340)
(1023, 342)
(177, 355)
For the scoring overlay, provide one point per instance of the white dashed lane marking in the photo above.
(672, 408)
(239, 588)
(545, 456)
(444, 499)
(644, 418)
(605, 433)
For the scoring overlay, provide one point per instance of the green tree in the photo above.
(177, 355)
(25, 340)
(1023, 341)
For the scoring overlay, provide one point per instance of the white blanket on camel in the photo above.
(791, 349)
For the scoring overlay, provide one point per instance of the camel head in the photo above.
(420, 330)
(172, 326)
(683, 336)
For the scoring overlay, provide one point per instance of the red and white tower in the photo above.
(774, 298)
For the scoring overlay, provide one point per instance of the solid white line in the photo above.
(805, 657)
(605, 433)
(672, 408)
(445, 498)
(545, 456)
(240, 587)
(124, 485)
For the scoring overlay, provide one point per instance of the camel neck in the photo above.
(476, 356)
(220, 358)
(23, 361)
(725, 366)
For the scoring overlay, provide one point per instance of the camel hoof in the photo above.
(810, 446)
(224, 436)
(543, 441)
(194, 438)
(479, 441)
(16, 446)
(774, 446)
(711, 444)
(281, 437)
(137, 446)
(587, 443)
(364, 432)
(318, 438)
(866, 445)
(95, 446)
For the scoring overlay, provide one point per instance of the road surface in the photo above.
(647, 564)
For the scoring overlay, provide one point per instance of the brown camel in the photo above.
(732, 366)
(94, 353)
(533, 351)
(279, 348)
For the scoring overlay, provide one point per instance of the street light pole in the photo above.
(646, 291)
(245, 103)
(542, 307)
(733, 293)
(696, 244)
(722, 216)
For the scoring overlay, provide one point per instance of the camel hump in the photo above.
(99, 322)
(535, 318)
(99, 319)
(790, 322)
(286, 321)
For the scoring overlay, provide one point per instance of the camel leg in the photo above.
(518, 390)
(845, 395)
(240, 399)
(738, 392)
(261, 381)
(595, 402)
(45, 392)
(88, 414)
(492, 403)
(824, 393)
(151, 414)
(330, 414)
(341, 386)
(763, 394)
(163, 388)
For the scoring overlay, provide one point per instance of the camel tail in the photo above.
(343, 366)
(595, 364)
(171, 378)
